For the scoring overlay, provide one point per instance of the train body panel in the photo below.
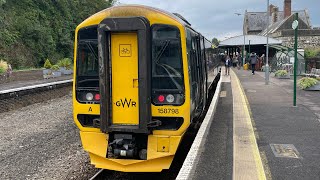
(142, 76)
(161, 150)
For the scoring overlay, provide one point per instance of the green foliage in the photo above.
(31, 31)
(55, 67)
(3, 65)
(67, 63)
(60, 63)
(281, 73)
(215, 41)
(47, 64)
(307, 82)
(312, 52)
(1, 70)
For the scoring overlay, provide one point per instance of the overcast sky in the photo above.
(217, 18)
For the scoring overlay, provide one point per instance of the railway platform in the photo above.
(31, 82)
(255, 132)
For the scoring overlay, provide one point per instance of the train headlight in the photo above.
(89, 96)
(170, 98)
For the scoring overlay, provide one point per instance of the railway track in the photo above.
(19, 97)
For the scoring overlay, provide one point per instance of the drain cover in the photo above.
(284, 150)
(223, 93)
(251, 91)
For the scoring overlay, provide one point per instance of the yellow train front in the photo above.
(142, 76)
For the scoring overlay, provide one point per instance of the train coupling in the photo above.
(125, 146)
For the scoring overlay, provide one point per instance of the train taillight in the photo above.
(97, 97)
(161, 98)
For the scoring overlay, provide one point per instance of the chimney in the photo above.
(271, 6)
(275, 14)
(287, 8)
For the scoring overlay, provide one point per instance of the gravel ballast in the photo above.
(41, 141)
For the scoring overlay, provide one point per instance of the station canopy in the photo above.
(254, 40)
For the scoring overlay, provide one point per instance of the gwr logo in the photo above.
(125, 103)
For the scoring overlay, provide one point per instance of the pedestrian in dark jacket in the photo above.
(228, 63)
(253, 61)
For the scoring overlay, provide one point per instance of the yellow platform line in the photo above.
(247, 163)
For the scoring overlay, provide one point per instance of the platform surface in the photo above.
(284, 142)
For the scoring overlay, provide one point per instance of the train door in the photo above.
(125, 85)
(200, 71)
(124, 74)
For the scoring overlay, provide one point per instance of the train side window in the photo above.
(193, 60)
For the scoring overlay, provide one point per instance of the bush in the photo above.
(3, 66)
(55, 67)
(2, 70)
(60, 63)
(47, 64)
(67, 63)
(311, 52)
(281, 73)
(307, 82)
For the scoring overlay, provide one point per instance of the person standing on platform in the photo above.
(234, 61)
(253, 61)
(227, 65)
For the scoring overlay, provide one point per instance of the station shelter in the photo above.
(251, 43)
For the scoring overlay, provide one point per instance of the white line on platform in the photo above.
(35, 86)
(193, 155)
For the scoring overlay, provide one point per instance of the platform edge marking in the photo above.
(254, 147)
(35, 86)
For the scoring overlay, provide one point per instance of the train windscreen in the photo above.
(87, 61)
(167, 69)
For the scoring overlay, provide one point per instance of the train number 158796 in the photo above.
(168, 111)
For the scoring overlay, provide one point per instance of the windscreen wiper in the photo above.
(88, 42)
(163, 48)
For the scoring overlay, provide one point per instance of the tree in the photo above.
(215, 42)
(32, 31)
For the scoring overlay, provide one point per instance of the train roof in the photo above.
(138, 9)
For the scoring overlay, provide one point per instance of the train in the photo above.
(142, 77)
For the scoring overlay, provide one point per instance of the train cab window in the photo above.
(87, 58)
(167, 69)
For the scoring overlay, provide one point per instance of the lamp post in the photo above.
(267, 50)
(295, 27)
(249, 47)
(244, 40)
(244, 48)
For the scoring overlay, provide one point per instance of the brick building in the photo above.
(255, 23)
